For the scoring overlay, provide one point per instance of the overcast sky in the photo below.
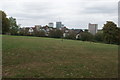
(73, 13)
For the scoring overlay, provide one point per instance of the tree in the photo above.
(5, 23)
(110, 32)
(71, 35)
(118, 36)
(40, 33)
(86, 36)
(98, 37)
(56, 33)
(86, 30)
(24, 32)
(52, 33)
(13, 26)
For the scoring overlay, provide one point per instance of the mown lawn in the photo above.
(28, 57)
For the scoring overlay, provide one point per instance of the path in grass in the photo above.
(52, 58)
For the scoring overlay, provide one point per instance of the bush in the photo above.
(55, 33)
(39, 33)
(71, 35)
(98, 37)
(86, 36)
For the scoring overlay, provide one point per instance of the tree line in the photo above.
(9, 25)
(110, 33)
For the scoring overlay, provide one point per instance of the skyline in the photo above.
(72, 13)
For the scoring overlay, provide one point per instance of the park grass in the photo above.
(29, 57)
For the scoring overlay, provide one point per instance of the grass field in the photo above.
(30, 57)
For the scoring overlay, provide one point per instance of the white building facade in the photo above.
(92, 28)
(38, 27)
(50, 24)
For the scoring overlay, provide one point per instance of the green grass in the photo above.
(29, 57)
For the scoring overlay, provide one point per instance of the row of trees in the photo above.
(109, 34)
(41, 33)
(9, 25)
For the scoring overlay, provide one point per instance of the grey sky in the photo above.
(73, 13)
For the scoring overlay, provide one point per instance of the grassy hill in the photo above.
(53, 58)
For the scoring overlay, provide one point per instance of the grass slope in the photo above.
(51, 58)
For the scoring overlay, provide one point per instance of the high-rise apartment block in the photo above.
(58, 24)
(93, 28)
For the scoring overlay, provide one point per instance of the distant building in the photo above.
(77, 36)
(58, 24)
(92, 28)
(50, 24)
(62, 25)
(119, 14)
(30, 30)
(77, 31)
(37, 27)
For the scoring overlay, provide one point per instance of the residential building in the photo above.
(58, 24)
(37, 27)
(62, 25)
(92, 28)
(30, 30)
(77, 31)
(77, 36)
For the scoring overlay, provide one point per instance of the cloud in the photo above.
(101, 7)
(73, 13)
